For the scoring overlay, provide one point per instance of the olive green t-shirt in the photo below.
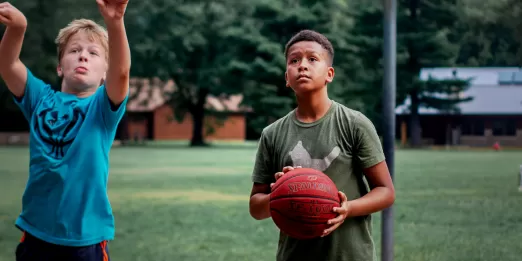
(340, 144)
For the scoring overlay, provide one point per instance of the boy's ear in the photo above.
(330, 75)
(286, 79)
(59, 70)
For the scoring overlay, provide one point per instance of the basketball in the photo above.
(302, 202)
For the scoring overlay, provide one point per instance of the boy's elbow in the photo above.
(391, 196)
(255, 213)
(122, 74)
(257, 210)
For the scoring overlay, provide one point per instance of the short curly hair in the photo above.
(313, 36)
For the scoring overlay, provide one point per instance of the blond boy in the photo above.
(66, 214)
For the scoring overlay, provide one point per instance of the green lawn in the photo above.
(192, 204)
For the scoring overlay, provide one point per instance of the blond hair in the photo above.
(94, 31)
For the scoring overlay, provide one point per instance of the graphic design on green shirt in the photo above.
(301, 157)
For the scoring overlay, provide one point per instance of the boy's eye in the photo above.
(94, 53)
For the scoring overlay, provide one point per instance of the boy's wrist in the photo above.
(17, 28)
(349, 209)
(114, 23)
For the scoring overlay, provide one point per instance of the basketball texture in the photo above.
(302, 202)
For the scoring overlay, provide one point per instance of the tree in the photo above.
(486, 31)
(508, 18)
(187, 42)
(423, 41)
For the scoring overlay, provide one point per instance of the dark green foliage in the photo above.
(423, 41)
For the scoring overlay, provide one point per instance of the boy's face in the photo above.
(83, 65)
(308, 67)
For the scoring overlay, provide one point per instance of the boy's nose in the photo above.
(83, 57)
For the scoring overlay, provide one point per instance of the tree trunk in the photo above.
(198, 116)
(415, 129)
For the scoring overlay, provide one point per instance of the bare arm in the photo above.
(381, 195)
(118, 75)
(12, 70)
(260, 201)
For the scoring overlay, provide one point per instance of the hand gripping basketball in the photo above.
(343, 214)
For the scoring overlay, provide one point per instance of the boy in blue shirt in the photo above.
(66, 214)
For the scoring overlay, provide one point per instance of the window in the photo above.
(509, 78)
(472, 127)
(517, 78)
(505, 78)
(504, 127)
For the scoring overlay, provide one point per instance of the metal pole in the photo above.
(388, 102)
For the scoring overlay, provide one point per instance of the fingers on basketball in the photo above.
(342, 196)
(290, 168)
(338, 219)
(287, 169)
(331, 229)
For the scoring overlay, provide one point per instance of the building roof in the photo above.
(494, 90)
(148, 95)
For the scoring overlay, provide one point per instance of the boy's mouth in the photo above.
(80, 69)
(303, 77)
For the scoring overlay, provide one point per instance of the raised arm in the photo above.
(118, 74)
(12, 70)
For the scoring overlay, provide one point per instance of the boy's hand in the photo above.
(343, 213)
(12, 17)
(278, 175)
(112, 10)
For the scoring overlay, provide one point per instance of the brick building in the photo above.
(494, 114)
(150, 117)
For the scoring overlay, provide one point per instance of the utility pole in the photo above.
(388, 101)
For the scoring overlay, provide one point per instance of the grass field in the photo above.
(192, 204)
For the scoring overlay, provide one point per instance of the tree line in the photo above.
(227, 47)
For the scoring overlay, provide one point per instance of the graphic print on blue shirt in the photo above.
(65, 201)
(59, 128)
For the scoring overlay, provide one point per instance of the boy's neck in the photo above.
(312, 106)
(79, 93)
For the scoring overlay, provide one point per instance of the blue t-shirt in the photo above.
(65, 200)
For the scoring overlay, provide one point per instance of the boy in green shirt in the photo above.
(327, 136)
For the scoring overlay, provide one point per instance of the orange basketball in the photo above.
(302, 202)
